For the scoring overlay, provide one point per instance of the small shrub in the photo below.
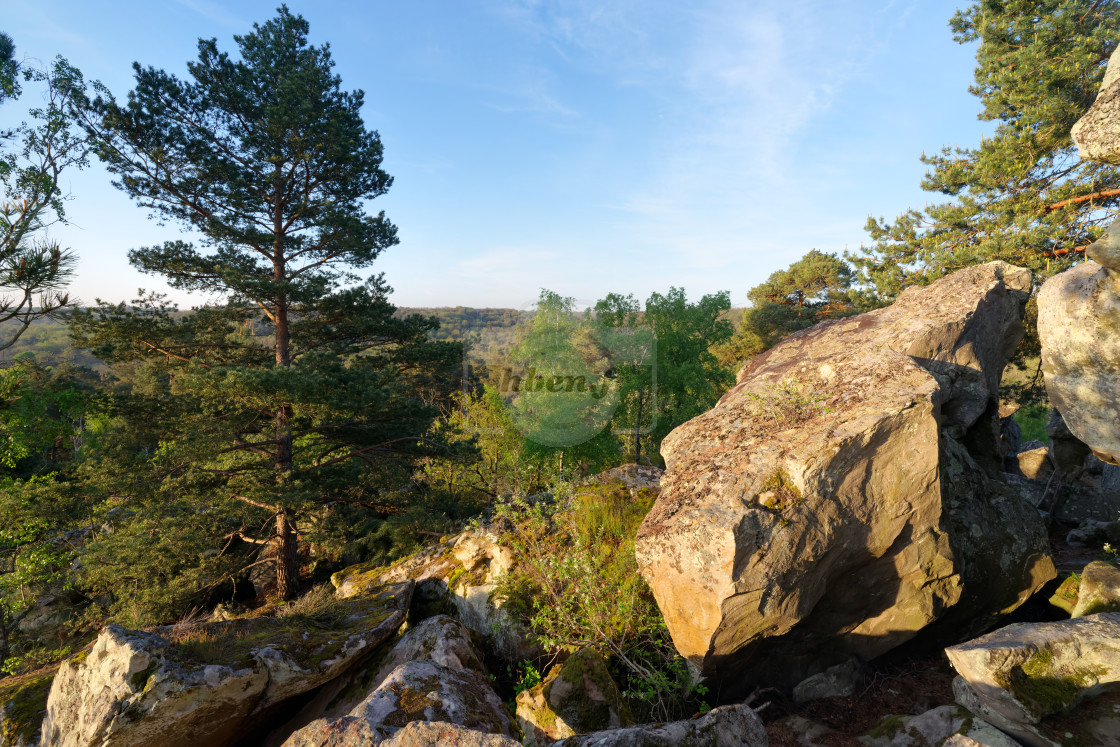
(579, 586)
(787, 403)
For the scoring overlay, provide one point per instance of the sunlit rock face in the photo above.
(845, 495)
(1079, 328)
(1097, 133)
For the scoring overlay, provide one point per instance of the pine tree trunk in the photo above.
(287, 557)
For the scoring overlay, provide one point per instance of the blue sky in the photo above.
(586, 147)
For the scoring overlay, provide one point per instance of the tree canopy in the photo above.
(1021, 195)
(294, 392)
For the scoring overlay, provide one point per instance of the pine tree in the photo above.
(813, 289)
(302, 382)
(1021, 195)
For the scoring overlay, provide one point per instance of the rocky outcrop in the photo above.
(416, 691)
(438, 734)
(577, 697)
(457, 576)
(1078, 323)
(440, 639)
(1097, 133)
(434, 673)
(209, 683)
(1019, 675)
(845, 494)
(729, 726)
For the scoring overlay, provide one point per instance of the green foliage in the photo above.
(683, 380)
(787, 404)
(302, 391)
(1012, 197)
(579, 586)
(1032, 420)
(815, 288)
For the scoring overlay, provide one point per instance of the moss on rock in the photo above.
(23, 703)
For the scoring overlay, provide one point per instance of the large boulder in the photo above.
(210, 683)
(1079, 328)
(1097, 133)
(729, 726)
(845, 495)
(577, 697)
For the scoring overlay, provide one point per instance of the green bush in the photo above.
(577, 585)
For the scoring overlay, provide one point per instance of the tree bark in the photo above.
(287, 557)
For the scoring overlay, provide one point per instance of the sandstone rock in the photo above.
(1099, 590)
(632, 476)
(806, 732)
(941, 726)
(23, 703)
(1035, 463)
(425, 691)
(1025, 734)
(728, 726)
(839, 681)
(347, 731)
(1097, 133)
(1065, 596)
(459, 575)
(1092, 533)
(1078, 319)
(880, 434)
(438, 734)
(441, 639)
(1027, 671)
(355, 732)
(1067, 451)
(207, 684)
(578, 697)
(982, 734)
(417, 691)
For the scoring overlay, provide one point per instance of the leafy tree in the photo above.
(1021, 195)
(815, 288)
(564, 401)
(297, 391)
(685, 378)
(34, 271)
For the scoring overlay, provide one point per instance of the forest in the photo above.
(157, 462)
